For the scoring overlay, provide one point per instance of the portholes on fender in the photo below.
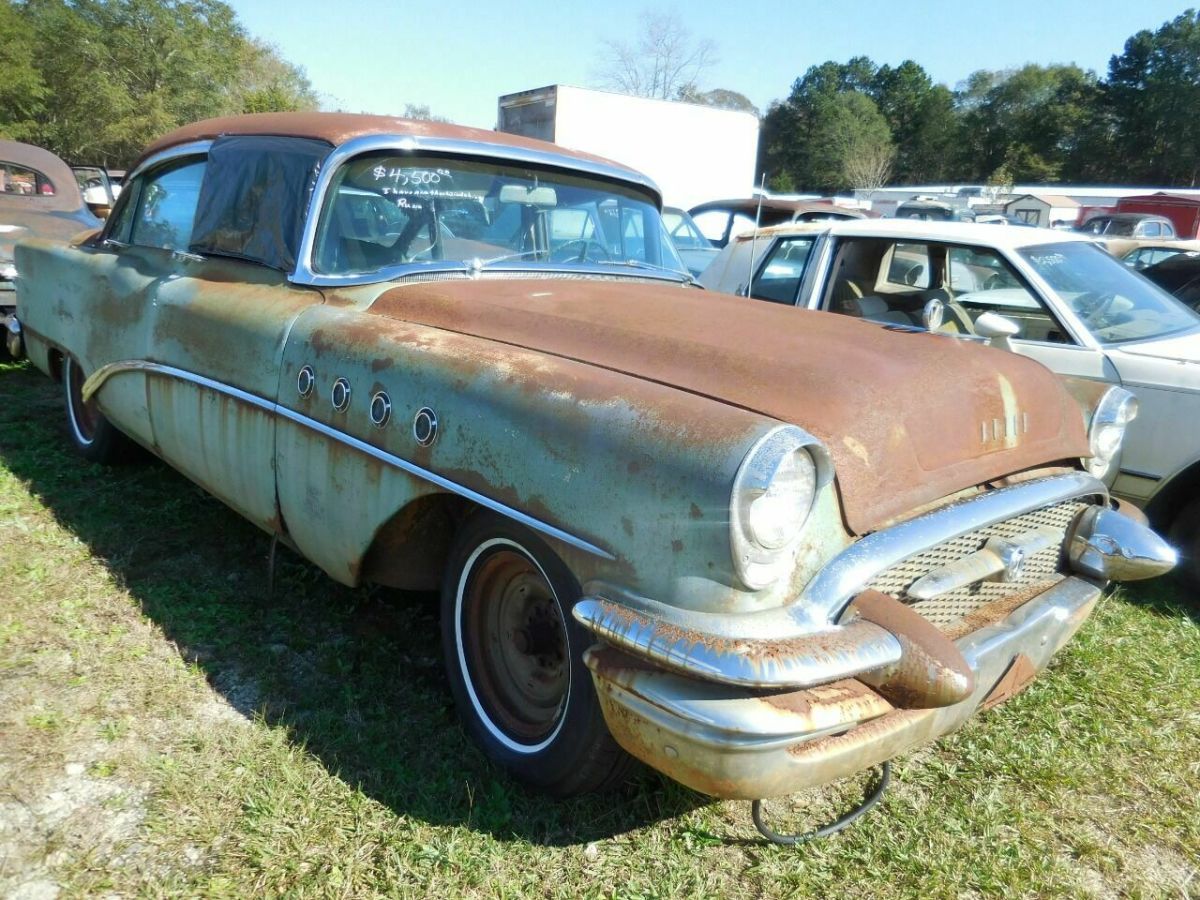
(340, 394)
(381, 409)
(305, 381)
(425, 426)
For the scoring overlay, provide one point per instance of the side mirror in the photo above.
(998, 330)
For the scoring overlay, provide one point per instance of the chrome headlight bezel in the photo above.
(794, 462)
(1106, 433)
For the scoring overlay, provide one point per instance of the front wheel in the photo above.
(95, 438)
(1185, 536)
(514, 659)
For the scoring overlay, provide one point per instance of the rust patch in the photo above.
(634, 467)
(713, 346)
(695, 512)
(1015, 679)
(677, 546)
(932, 671)
(382, 363)
(627, 525)
(991, 613)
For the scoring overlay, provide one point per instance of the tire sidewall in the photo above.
(555, 758)
(107, 445)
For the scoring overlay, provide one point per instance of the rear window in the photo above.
(22, 180)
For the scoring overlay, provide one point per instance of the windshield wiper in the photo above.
(477, 264)
(639, 264)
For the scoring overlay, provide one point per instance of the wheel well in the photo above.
(1174, 496)
(55, 359)
(410, 550)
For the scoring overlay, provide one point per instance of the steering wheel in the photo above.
(566, 252)
(1092, 305)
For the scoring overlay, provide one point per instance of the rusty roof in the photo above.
(337, 128)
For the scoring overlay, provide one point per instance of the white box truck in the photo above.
(694, 153)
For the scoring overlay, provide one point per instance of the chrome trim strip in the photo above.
(101, 375)
(192, 148)
(1137, 474)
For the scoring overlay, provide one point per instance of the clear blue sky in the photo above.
(377, 55)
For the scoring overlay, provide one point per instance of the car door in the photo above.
(217, 330)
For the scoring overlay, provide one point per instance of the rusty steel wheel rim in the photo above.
(512, 646)
(83, 415)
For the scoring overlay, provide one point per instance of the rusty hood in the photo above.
(908, 417)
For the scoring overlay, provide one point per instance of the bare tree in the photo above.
(664, 62)
(868, 162)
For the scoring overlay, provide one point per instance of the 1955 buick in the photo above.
(664, 522)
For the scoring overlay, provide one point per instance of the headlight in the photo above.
(1118, 407)
(8, 270)
(773, 494)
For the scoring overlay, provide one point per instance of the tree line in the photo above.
(95, 81)
(860, 125)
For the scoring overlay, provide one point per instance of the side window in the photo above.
(18, 179)
(909, 266)
(166, 207)
(983, 281)
(1151, 229)
(779, 278)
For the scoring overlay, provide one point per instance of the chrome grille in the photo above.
(1041, 570)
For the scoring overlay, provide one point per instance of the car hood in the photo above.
(907, 416)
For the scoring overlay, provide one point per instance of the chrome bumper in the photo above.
(11, 334)
(735, 744)
(763, 704)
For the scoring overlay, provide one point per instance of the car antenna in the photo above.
(762, 186)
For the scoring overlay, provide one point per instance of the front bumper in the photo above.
(730, 743)
(764, 704)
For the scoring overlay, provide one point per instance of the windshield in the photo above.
(388, 210)
(1114, 302)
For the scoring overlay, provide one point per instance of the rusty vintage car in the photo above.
(38, 198)
(662, 521)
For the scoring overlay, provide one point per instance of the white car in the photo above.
(1050, 295)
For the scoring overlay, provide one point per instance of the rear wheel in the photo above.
(514, 659)
(95, 438)
(1185, 536)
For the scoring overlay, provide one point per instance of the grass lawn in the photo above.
(166, 728)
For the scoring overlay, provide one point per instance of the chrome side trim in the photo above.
(101, 375)
(416, 144)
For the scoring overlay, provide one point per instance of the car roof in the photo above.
(66, 196)
(338, 128)
(919, 229)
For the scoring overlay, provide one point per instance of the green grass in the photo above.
(166, 728)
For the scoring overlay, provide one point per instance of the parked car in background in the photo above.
(1138, 253)
(98, 189)
(930, 210)
(662, 520)
(693, 248)
(1052, 296)
(1178, 275)
(38, 198)
(720, 220)
(1129, 225)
